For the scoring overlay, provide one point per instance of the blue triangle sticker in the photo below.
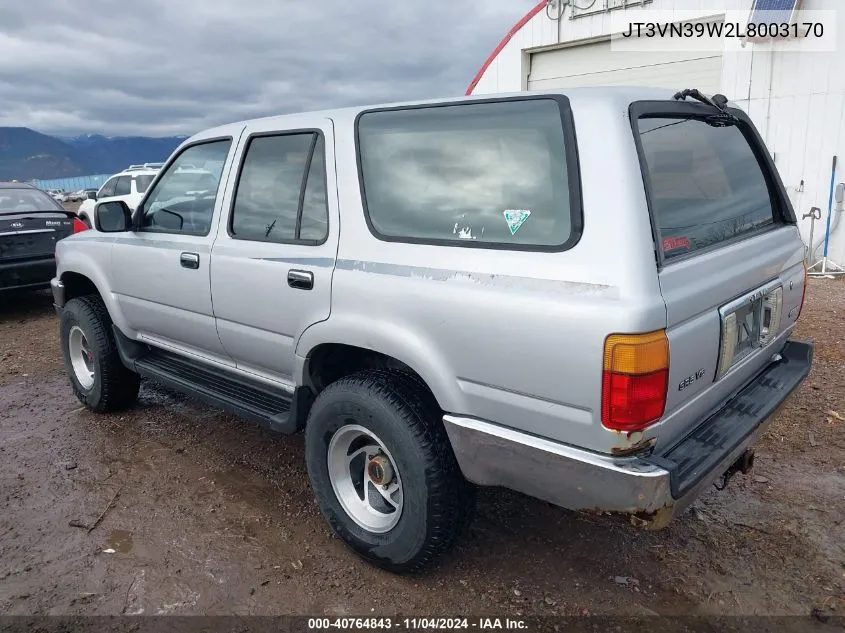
(516, 218)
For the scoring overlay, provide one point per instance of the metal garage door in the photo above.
(596, 64)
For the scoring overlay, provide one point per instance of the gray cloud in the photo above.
(162, 67)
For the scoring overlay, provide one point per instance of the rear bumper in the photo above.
(656, 487)
(27, 274)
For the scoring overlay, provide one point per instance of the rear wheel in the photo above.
(383, 470)
(98, 377)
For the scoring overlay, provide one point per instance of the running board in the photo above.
(236, 394)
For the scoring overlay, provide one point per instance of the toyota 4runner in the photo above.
(586, 297)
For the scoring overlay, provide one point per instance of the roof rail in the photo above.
(145, 166)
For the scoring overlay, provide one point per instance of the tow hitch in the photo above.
(742, 465)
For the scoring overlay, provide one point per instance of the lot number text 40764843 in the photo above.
(416, 623)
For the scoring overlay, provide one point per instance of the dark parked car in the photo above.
(31, 222)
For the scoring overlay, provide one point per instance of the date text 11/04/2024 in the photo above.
(725, 29)
(375, 623)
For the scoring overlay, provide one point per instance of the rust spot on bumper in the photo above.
(634, 449)
(650, 521)
(653, 521)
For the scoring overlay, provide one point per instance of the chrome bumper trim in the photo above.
(491, 455)
(58, 289)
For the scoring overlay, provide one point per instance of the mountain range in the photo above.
(26, 154)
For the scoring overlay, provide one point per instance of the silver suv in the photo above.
(586, 297)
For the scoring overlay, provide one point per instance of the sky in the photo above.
(171, 67)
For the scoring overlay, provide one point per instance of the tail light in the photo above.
(79, 226)
(634, 380)
(804, 290)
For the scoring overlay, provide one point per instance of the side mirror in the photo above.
(168, 220)
(112, 217)
(92, 195)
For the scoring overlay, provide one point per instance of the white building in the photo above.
(794, 88)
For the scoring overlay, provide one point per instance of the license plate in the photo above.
(749, 328)
(749, 324)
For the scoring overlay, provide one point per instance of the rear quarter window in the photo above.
(142, 183)
(495, 174)
(706, 184)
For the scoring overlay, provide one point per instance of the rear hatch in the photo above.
(729, 253)
(30, 225)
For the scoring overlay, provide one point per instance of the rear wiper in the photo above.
(724, 117)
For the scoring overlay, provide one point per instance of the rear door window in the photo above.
(500, 174)
(107, 189)
(706, 184)
(281, 190)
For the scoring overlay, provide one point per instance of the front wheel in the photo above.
(383, 471)
(98, 377)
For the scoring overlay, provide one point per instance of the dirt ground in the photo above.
(200, 513)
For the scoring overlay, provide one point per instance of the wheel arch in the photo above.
(394, 347)
(77, 285)
(81, 276)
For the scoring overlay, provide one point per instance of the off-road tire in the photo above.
(115, 387)
(438, 501)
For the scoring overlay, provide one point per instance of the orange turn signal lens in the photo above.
(634, 380)
(636, 354)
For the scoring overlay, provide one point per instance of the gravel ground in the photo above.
(185, 510)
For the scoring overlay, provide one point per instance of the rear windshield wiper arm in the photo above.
(720, 102)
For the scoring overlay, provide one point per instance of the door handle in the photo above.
(189, 260)
(301, 279)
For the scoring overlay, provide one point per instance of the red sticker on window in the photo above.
(673, 243)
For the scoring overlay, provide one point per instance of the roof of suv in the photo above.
(622, 96)
(16, 185)
(145, 169)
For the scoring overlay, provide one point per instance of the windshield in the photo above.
(25, 200)
(707, 186)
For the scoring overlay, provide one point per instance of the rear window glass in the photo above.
(706, 184)
(24, 200)
(492, 173)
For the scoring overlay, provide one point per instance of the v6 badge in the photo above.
(686, 382)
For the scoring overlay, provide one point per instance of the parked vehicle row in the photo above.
(55, 194)
(421, 288)
(79, 195)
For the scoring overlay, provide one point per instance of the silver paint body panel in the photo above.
(512, 340)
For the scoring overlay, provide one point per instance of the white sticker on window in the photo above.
(516, 218)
